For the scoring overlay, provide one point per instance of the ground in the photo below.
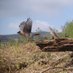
(28, 58)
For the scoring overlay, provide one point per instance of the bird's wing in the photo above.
(22, 25)
(29, 25)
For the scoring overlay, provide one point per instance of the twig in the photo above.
(55, 68)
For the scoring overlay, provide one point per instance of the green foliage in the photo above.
(68, 29)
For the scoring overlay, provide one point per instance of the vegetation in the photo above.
(68, 29)
(26, 58)
(17, 57)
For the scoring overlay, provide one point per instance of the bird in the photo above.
(25, 27)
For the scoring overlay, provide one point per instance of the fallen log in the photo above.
(56, 45)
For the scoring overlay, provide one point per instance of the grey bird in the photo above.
(25, 27)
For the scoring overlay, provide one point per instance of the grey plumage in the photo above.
(25, 27)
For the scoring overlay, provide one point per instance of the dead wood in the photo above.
(56, 45)
(63, 68)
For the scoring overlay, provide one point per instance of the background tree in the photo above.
(68, 29)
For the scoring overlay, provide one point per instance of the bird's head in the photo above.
(20, 33)
(23, 34)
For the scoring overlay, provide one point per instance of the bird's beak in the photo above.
(18, 32)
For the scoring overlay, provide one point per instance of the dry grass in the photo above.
(28, 58)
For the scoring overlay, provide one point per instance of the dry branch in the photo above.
(63, 68)
(56, 45)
